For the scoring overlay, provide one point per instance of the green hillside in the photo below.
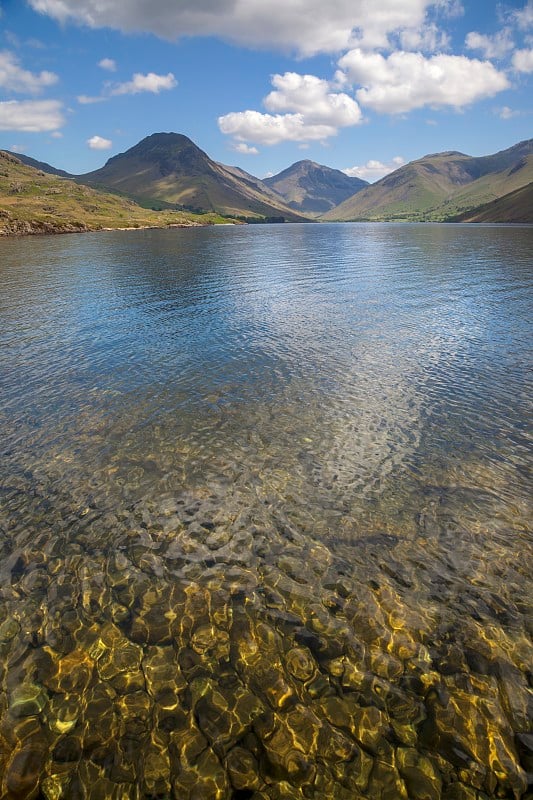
(408, 192)
(487, 189)
(515, 207)
(41, 165)
(32, 201)
(438, 186)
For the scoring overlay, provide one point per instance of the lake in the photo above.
(265, 519)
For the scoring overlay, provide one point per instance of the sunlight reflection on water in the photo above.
(265, 513)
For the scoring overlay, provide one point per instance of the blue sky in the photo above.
(360, 85)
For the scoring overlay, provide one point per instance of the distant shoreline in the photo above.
(50, 229)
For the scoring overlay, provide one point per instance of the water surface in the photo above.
(264, 513)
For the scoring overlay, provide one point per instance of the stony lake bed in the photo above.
(265, 514)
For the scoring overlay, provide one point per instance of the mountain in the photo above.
(426, 189)
(514, 207)
(40, 165)
(313, 188)
(168, 168)
(488, 188)
(32, 201)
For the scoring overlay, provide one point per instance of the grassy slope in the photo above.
(41, 165)
(487, 189)
(440, 186)
(515, 207)
(409, 191)
(32, 201)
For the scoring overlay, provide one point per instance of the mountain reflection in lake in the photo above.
(264, 514)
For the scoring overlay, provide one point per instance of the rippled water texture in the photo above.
(264, 514)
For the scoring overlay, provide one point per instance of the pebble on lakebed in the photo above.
(214, 656)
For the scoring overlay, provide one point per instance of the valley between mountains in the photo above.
(166, 180)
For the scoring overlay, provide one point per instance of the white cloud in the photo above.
(308, 26)
(311, 97)
(15, 79)
(428, 38)
(32, 116)
(450, 8)
(146, 83)
(523, 60)
(405, 81)
(87, 100)
(245, 149)
(109, 64)
(524, 17)
(17, 148)
(495, 46)
(507, 113)
(312, 113)
(374, 170)
(57, 135)
(99, 143)
(269, 129)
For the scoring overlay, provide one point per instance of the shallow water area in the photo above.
(265, 519)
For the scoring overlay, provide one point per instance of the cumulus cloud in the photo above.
(146, 83)
(109, 64)
(374, 170)
(308, 26)
(311, 97)
(99, 143)
(495, 46)
(15, 79)
(31, 116)
(245, 149)
(269, 129)
(523, 60)
(309, 111)
(405, 81)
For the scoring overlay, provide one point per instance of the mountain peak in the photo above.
(313, 188)
(170, 169)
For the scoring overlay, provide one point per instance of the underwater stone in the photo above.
(386, 784)
(27, 700)
(419, 774)
(458, 791)
(243, 769)
(63, 712)
(334, 747)
(300, 663)
(122, 657)
(320, 686)
(16, 731)
(284, 758)
(269, 682)
(156, 770)
(24, 770)
(73, 673)
(55, 787)
(207, 639)
(8, 630)
(67, 749)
